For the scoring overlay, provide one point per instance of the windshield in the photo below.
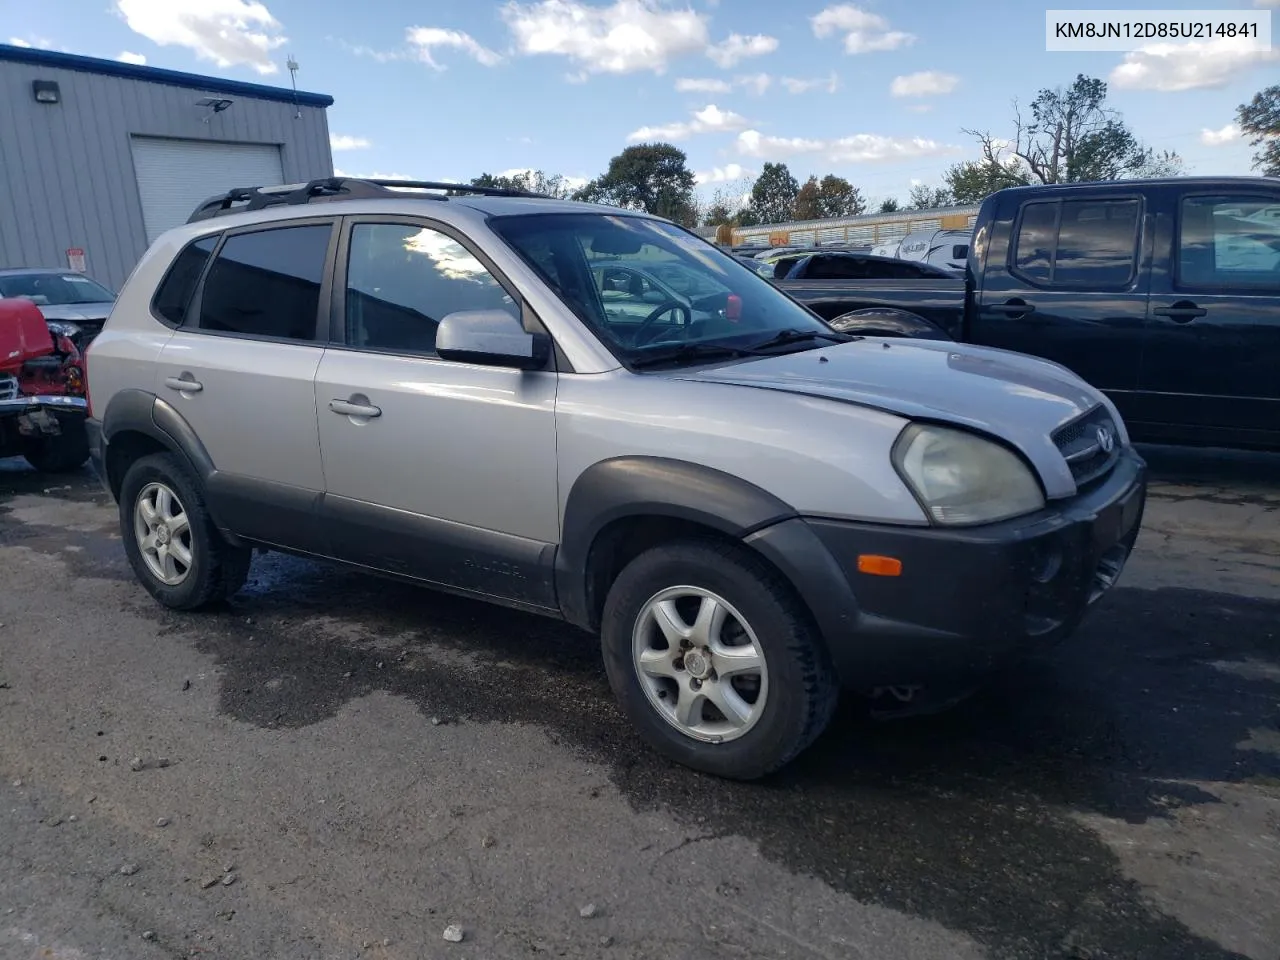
(645, 286)
(54, 289)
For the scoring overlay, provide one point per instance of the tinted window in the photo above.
(402, 279)
(1078, 242)
(267, 283)
(1229, 242)
(54, 289)
(1097, 242)
(174, 295)
(1033, 247)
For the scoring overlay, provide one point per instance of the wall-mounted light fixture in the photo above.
(45, 91)
(215, 105)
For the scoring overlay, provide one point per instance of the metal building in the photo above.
(867, 230)
(98, 158)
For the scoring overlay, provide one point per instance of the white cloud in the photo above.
(625, 37)
(710, 119)
(730, 171)
(859, 148)
(757, 83)
(695, 85)
(426, 39)
(863, 32)
(926, 83)
(1216, 138)
(738, 47)
(229, 33)
(1193, 65)
(18, 42)
(341, 141)
(137, 59)
(831, 84)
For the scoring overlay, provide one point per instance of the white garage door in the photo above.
(175, 176)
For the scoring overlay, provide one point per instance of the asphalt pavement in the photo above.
(337, 766)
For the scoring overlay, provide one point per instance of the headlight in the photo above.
(962, 478)
(62, 328)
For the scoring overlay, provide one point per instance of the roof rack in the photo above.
(241, 199)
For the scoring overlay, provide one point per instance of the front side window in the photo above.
(403, 279)
(54, 289)
(711, 301)
(1078, 243)
(1229, 242)
(267, 283)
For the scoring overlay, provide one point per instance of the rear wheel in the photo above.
(61, 454)
(714, 660)
(172, 543)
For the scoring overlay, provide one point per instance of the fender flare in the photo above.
(888, 321)
(641, 486)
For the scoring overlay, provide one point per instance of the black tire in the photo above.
(61, 454)
(803, 687)
(218, 569)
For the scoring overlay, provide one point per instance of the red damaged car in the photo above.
(42, 390)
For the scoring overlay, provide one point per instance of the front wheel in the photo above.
(714, 660)
(60, 454)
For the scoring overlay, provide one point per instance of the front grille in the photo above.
(1090, 445)
(8, 388)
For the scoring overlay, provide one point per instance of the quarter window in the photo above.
(174, 294)
(1229, 242)
(267, 283)
(403, 279)
(1078, 243)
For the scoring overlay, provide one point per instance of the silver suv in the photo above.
(751, 510)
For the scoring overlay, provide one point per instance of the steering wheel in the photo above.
(666, 306)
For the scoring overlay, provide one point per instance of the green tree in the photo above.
(1260, 119)
(1072, 136)
(808, 201)
(654, 177)
(837, 197)
(773, 196)
(531, 181)
(924, 197)
(889, 206)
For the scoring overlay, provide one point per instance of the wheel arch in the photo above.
(619, 507)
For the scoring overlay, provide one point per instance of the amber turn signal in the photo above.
(879, 566)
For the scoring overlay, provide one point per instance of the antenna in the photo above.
(292, 64)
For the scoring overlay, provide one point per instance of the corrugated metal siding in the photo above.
(66, 170)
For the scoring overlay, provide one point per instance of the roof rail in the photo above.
(241, 199)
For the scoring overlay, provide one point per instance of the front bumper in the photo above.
(967, 599)
(53, 403)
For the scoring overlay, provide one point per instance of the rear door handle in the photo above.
(1014, 307)
(348, 408)
(184, 384)
(1184, 311)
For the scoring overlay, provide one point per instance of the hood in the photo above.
(1018, 398)
(76, 312)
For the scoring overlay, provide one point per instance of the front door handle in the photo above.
(1014, 308)
(184, 384)
(353, 408)
(1184, 311)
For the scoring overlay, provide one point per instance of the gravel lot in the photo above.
(341, 767)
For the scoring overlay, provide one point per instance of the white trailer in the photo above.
(948, 249)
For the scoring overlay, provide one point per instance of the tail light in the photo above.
(733, 308)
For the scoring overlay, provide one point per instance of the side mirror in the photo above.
(491, 337)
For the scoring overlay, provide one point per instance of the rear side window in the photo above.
(267, 283)
(1078, 243)
(1229, 243)
(173, 296)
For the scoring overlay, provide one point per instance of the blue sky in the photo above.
(872, 91)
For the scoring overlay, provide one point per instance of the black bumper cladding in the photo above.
(968, 599)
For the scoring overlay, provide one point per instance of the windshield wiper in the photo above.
(694, 351)
(791, 335)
